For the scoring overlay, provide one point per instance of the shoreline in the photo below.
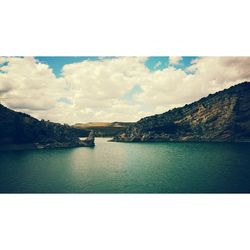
(35, 146)
(39, 146)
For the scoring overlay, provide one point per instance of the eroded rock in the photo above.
(223, 116)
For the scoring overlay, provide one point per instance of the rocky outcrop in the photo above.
(21, 129)
(223, 116)
(90, 141)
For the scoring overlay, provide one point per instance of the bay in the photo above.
(111, 167)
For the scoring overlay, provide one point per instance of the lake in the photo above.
(113, 167)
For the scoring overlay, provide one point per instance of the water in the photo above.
(129, 168)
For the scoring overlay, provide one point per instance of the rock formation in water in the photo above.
(223, 116)
(89, 141)
(21, 129)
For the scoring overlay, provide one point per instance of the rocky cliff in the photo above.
(223, 116)
(21, 129)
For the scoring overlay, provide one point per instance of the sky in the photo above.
(90, 89)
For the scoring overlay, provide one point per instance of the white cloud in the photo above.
(2, 60)
(175, 60)
(95, 89)
(29, 85)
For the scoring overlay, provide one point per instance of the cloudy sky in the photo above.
(83, 89)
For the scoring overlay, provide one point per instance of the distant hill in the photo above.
(102, 129)
(18, 128)
(223, 116)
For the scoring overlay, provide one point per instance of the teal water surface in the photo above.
(129, 168)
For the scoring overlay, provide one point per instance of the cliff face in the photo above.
(20, 128)
(223, 116)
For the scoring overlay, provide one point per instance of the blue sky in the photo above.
(129, 96)
(57, 62)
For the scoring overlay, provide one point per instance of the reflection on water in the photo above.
(129, 168)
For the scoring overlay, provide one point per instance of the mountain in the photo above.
(23, 130)
(223, 116)
(102, 129)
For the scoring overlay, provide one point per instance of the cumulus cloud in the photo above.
(101, 90)
(175, 60)
(29, 85)
(3, 60)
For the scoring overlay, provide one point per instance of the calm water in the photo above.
(129, 168)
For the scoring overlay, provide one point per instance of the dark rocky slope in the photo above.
(21, 129)
(223, 116)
